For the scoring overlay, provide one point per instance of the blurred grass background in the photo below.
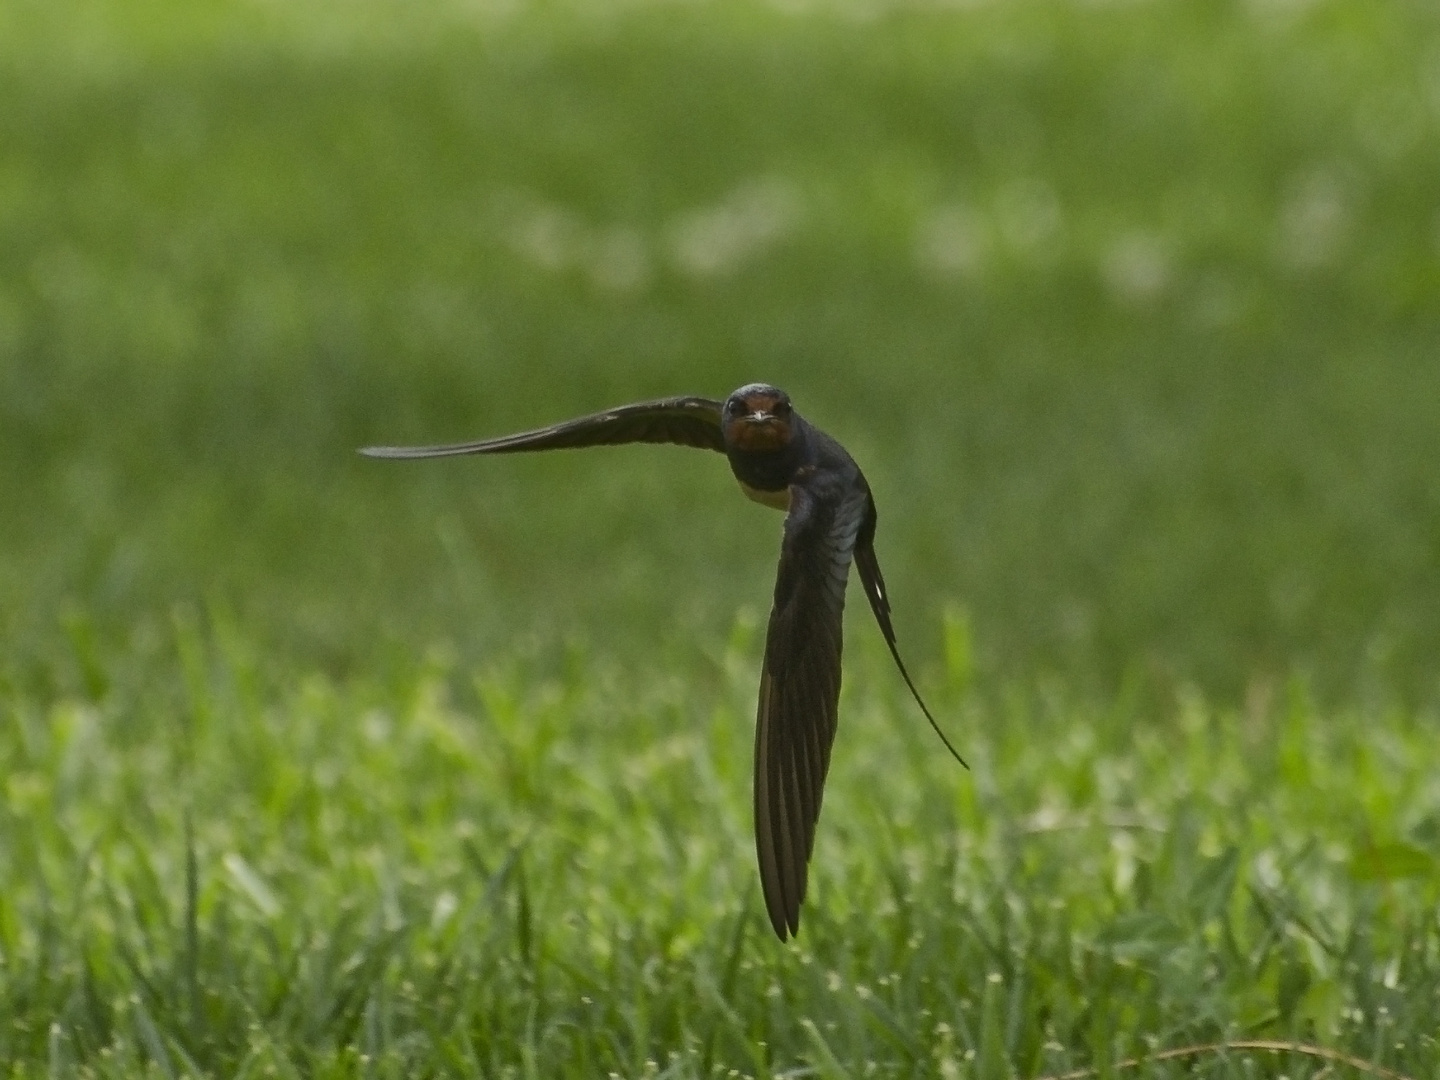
(317, 766)
(1129, 312)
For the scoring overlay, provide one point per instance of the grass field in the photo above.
(316, 766)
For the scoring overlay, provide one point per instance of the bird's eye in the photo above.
(782, 408)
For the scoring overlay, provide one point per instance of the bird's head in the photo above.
(757, 418)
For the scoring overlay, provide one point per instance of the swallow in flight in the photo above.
(786, 463)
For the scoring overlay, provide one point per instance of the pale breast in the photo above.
(778, 500)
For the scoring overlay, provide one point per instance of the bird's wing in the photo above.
(689, 421)
(800, 692)
(868, 567)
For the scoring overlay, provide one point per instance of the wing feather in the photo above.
(687, 421)
(800, 693)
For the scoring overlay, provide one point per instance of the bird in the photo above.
(784, 462)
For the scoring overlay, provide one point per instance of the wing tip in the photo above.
(784, 918)
(403, 453)
(780, 924)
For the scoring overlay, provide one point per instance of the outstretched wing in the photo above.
(800, 692)
(868, 566)
(688, 421)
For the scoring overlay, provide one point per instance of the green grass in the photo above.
(318, 766)
(543, 867)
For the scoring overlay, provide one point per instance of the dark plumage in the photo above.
(784, 462)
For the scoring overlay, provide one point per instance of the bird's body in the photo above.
(784, 462)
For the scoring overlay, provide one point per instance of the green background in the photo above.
(1130, 314)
